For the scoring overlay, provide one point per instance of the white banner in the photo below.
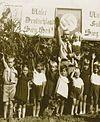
(38, 20)
(91, 24)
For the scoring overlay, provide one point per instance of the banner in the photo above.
(91, 24)
(38, 20)
(70, 19)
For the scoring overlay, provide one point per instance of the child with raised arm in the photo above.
(39, 81)
(9, 87)
(22, 91)
(62, 90)
(77, 91)
(95, 85)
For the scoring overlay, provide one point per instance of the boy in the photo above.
(78, 88)
(9, 87)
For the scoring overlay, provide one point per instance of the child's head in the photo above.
(53, 66)
(77, 73)
(25, 70)
(95, 69)
(63, 70)
(39, 67)
(11, 61)
(86, 64)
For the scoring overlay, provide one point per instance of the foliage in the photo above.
(22, 46)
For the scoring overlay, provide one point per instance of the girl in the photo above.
(39, 80)
(85, 75)
(22, 92)
(78, 87)
(62, 90)
(52, 77)
(76, 48)
(95, 84)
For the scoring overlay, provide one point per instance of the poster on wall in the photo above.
(91, 24)
(38, 20)
(70, 19)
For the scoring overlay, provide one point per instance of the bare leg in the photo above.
(23, 111)
(58, 107)
(81, 103)
(62, 107)
(34, 108)
(76, 107)
(91, 105)
(73, 106)
(5, 109)
(84, 104)
(19, 111)
(38, 109)
(96, 108)
(11, 109)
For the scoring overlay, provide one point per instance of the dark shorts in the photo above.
(75, 93)
(36, 92)
(95, 92)
(60, 98)
(87, 89)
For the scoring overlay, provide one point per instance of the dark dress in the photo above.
(52, 78)
(22, 89)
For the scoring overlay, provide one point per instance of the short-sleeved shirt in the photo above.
(95, 79)
(10, 75)
(38, 78)
(78, 82)
(62, 86)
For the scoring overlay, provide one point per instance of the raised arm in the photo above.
(92, 62)
(4, 62)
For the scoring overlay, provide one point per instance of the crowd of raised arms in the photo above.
(72, 82)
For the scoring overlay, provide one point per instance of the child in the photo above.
(9, 88)
(95, 85)
(85, 75)
(22, 92)
(62, 90)
(78, 87)
(76, 48)
(52, 77)
(39, 80)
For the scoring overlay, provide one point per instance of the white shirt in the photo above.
(78, 82)
(38, 78)
(10, 75)
(62, 86)
(95, 79)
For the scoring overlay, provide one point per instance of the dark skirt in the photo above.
(22, 89)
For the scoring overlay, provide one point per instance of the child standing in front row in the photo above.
(22, 92)
(62, 90)
(9, 87)
(95, 85)
(39, 81)
(77, 91)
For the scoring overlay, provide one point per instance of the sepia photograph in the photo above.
(49, 60)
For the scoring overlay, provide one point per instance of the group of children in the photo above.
(57, 81)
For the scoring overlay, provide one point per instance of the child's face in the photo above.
(11, 62)
(64, 72)
(77, 74)
(39, 68)
(86, 67)
(25, 70)
(96, 69)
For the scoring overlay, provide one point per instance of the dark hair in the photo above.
(63, 67)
